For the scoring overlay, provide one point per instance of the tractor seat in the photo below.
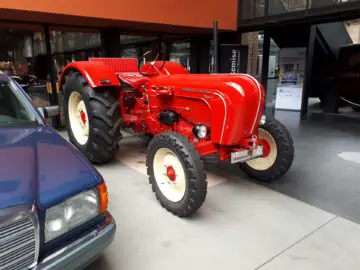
(134, 79)
(126, 69)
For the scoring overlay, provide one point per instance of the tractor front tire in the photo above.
(176, 173)
(92, 118)
(280, 157)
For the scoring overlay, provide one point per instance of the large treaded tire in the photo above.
(102, 107)
(284, 157)
(196, 182)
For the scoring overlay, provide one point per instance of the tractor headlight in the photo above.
(200, 131)
(71, 213)
(262, 120)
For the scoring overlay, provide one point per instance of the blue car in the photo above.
(53, 202)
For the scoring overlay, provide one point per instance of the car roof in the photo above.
(4, 77)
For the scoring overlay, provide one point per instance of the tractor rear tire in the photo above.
(280, 158)
(185, 193)
(100, 109)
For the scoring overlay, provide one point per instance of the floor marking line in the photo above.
(296, 242)
(350, 156)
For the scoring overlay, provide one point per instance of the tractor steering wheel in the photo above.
(152, 69)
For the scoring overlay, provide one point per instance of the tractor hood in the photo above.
(231, 105)
(38, 165)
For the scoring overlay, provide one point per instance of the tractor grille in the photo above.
(18, 243)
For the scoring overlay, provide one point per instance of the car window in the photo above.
(15, 109)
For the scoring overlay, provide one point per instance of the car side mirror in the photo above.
(49, 111)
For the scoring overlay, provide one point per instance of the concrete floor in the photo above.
(242, 225)
(325, 171)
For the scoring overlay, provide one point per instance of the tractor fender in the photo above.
(95, 73)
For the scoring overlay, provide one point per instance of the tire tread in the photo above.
(194, 167)
(285, 146)
(102, 107)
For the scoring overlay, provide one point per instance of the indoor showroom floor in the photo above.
(307, 220)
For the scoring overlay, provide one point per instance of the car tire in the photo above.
(280, 157)
(185, 194)
(101, 108)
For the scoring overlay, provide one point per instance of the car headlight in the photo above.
(74, 212)
(200, 131)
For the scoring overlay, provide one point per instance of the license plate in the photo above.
(245, 155)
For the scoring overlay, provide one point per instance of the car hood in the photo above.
(38, 165)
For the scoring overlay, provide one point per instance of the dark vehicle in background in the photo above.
(347, 75)
(53, 202)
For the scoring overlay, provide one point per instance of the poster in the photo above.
(291, 79)
(233, 58)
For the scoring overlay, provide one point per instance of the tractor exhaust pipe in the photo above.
(216, 47)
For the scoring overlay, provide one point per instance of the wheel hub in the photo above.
(269, 155)
(266, 148)
(78, 118)
(170, 173)
(83, 117)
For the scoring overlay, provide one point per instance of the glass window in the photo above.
(273, 76)
(294, 5)
(72, 41)
(323, 3)
(130, 52)
(134, 46)
(130, 39)
(14, 108)
(283, 6)
(249, 9)
(180, 53)
(254, 40)
(23, 57)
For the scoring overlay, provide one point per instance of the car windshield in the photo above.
(15, 110)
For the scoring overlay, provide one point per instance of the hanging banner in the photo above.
(233, 58)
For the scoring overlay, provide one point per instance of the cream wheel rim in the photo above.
(78, 116)
(169, 174)
(264, 163)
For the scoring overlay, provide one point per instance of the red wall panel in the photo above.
(186, 13)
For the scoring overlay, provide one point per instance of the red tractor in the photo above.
(188, 117)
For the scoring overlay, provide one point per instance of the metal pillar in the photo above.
(216, 47)
(54, 99)
(265, 61)
(269, 111)
(308, 72)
